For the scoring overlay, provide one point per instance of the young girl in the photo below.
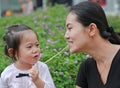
(21, 44)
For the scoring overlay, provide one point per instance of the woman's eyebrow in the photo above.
(68, 24)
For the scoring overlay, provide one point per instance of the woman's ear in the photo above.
(10, 51)
(92, 29)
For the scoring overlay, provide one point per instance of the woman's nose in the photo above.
(66, 35)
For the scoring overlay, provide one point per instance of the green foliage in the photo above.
(50, 27)
(114, 22)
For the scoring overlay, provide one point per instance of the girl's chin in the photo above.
(34, 62)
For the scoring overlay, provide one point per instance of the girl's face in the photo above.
(76, 34)
(29, 50)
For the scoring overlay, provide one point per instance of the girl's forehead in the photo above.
(27, 32)
(28, 35)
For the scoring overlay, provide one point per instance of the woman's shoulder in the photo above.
(88, 61)
(118, 52)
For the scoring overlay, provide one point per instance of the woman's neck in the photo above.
(103, 51)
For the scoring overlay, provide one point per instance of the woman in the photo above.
(88, 31)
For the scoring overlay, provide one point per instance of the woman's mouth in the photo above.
(70, 43)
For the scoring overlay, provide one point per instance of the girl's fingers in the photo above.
(33, 72)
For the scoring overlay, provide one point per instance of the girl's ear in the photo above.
(10, 51)
(92, 29)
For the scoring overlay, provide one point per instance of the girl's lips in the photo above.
(36, 56)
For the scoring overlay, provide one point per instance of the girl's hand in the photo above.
(34, 74)
(35, 78)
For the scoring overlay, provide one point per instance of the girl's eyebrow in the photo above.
(32, 42)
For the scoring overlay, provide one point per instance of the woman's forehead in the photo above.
(71, 19)
(71, 16)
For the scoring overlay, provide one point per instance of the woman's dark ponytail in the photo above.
(112, 36)
(115, 38)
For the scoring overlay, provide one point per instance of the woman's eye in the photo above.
(69, 28)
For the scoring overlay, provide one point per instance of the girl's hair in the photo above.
(12, 38)
(90, 12)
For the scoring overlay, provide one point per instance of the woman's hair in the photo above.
(90, 12)
(12, 38)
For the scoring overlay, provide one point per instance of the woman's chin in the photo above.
(74, 51)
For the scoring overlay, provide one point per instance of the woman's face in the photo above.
(76, 34)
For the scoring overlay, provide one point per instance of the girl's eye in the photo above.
(28, 46)
(37, 45)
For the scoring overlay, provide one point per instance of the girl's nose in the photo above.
(35, 50)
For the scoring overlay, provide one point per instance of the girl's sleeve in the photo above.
(47, 78)
(3, 83)
(81, 79)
